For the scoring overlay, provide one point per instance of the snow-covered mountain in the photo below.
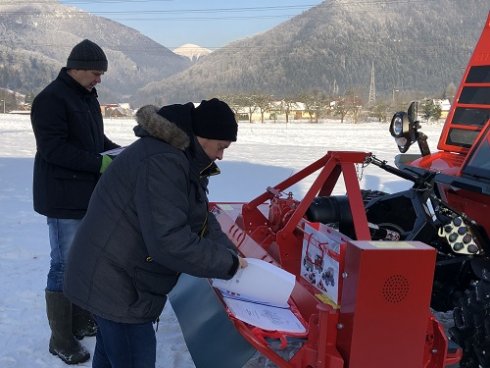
(192, 51)
(418, 47)
(37, 37)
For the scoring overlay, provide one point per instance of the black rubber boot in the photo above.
(83, 323)
(62, 342)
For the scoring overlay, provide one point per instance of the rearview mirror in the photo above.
(413, 111)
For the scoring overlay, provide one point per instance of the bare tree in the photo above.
(380, 111)
(315, 102)
(247, 102)
(262, 103)
(349, 103)
(287, 104)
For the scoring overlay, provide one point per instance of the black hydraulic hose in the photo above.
(421, 182)
(394, 170)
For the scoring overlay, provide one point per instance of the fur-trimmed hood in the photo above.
(175, 127)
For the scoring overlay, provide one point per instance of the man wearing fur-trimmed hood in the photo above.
(147, 222)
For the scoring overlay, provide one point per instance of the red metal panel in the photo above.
(442, 162)
(480, 56)
(385, 304)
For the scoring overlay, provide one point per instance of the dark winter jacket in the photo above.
(68, 127)
(147, 222)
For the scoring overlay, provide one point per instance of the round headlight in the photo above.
(398, 125)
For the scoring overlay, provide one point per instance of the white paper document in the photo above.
(258, 295)
(265, 316)
(260, 282)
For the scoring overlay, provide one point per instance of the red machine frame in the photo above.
(270, 227)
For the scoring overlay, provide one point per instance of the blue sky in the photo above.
(208, 23)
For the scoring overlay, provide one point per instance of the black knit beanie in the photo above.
(213, 119)
(87, 55)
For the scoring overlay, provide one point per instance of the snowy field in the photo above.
(264, 155)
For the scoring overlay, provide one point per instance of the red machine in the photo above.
(383, 319)
(374, 304)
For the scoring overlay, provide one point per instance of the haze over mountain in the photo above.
(412, 45)
(37, 38)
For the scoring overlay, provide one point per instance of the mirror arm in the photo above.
(423, 145)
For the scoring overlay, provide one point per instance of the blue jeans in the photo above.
(124, 345)
(61, 234)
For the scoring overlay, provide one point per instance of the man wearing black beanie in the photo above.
(68, 127)
(148, 221)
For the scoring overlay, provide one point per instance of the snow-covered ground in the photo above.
(264, 155)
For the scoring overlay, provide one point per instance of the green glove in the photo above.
(106, 161)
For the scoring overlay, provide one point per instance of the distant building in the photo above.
(275, 111)
(445, 106)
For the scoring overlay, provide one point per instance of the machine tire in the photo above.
(471, 328)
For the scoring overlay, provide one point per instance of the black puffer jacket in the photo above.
(69, 132)
(147, 222)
